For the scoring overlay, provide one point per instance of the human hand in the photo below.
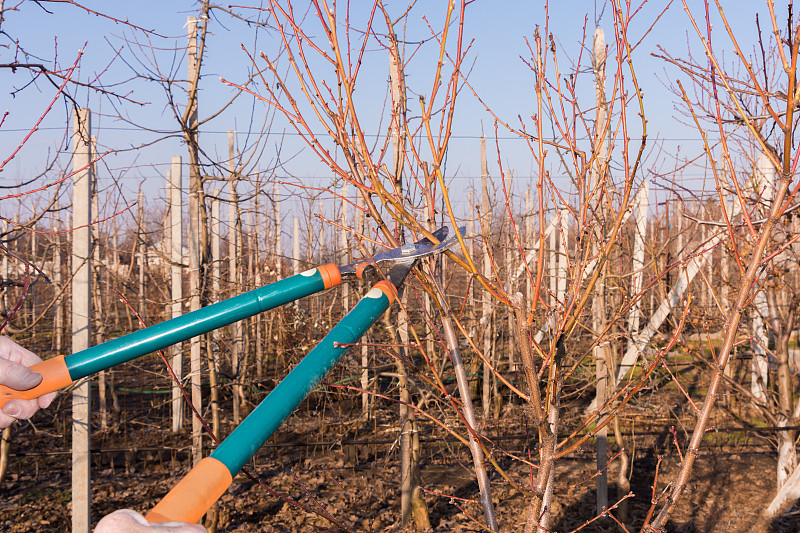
(14, 373)
(127, 521)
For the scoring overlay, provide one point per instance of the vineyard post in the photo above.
(365, 397)
(97, 298)
(174, 179)
(277, 317)
(258, 320)
(234, 279)
(195, 233)
(140, 253)
(58, 279)
(81, 313)
(599, 176)
(486, 312)
(216, 296)
(296, 262)
(345, 258)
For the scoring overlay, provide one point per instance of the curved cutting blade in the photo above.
(410, 252)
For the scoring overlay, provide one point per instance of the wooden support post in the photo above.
(601, 439)
(296, 261)
(529, 242)
(97, 298)
(58, 279)
(81, 312)
(234, 278)
(599, 175)
(195, 235)
(553, 261)
(213, 346)
(471, 249)
(346, 255)
(257, 265)
(486, 312)
(278, 249)
(642, 205)
(141, 256)
(512, 289)
(278, 255)
(174, 182)
(32, 292)
(365, 397)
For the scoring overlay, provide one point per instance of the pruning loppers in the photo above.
(61, 371)
(211, 477)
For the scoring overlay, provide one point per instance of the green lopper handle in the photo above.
(61, 371)
(191, 498)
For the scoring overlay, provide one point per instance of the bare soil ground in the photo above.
(326, 460)
(358, 485)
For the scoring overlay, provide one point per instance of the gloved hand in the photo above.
(14, 360)
(127, 521)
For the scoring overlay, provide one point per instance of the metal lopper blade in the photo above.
(406, 253)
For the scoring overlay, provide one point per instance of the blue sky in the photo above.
(497, 31)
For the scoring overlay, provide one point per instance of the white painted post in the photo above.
(194, 236)
(32, 293)
(257, 320)
(486, 311)
(234, 246)
(562, 272)
(278, 251)
(360, 226)
(174, 183)
(763, 179)
(97, 297)
(296, 247)
(141, 256)
(552, 263)
(81, 311)
(471, 250)
(599, 300)
(345, 248)
(529, 240)
(642, 205)
(57, 281)
(216, 257)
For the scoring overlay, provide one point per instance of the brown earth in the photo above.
(358, 484)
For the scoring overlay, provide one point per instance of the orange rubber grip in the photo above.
(194, 495)
(55, 376)
(361, 268)
(388, 289)
(331, 276)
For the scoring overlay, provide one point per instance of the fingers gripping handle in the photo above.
(55, 376)
(189, 500)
